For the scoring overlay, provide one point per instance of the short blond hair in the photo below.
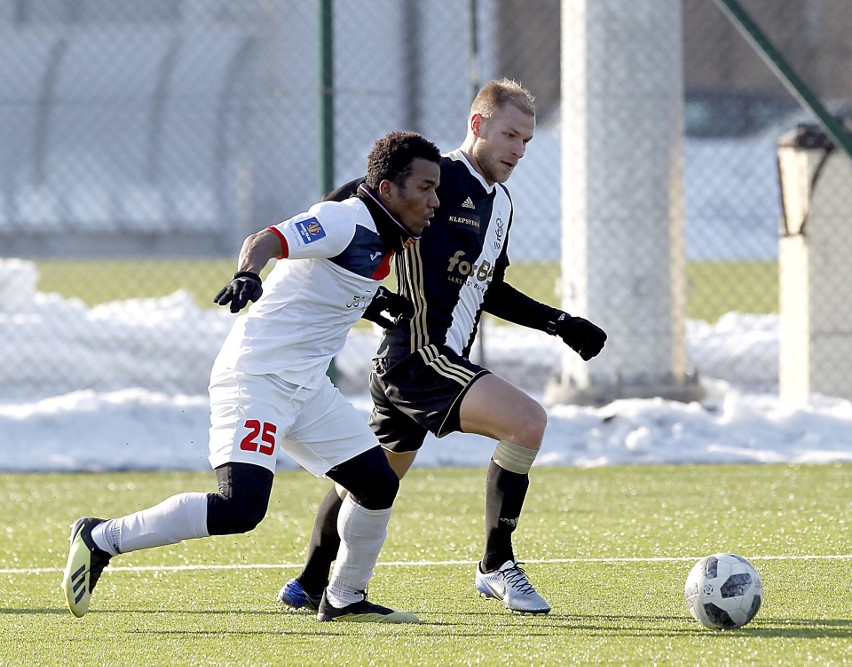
(498, 93)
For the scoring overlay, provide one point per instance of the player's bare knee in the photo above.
(530, 428)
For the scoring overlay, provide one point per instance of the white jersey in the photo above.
(334, 263)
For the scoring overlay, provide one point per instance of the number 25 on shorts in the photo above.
(266, 431)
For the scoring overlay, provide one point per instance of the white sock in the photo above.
(178, 518)
(362, 534)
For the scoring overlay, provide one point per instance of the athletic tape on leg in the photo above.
(514, 458)
(362, 533)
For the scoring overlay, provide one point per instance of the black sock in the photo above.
(504, 497)
(322, 549)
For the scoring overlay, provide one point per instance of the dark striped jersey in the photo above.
(447, 273)
(457, 269)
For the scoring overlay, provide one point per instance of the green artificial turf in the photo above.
(610, 548)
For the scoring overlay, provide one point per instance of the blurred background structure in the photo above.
(142, 140)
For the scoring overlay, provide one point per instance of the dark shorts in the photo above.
(417, 394)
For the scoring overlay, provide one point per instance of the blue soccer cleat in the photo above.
(296, 597)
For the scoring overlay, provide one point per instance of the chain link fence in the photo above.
(141, 141)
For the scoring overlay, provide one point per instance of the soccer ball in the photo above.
(723, 591)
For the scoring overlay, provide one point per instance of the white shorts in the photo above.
(255, 417)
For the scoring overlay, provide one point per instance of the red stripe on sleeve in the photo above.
(285, 247)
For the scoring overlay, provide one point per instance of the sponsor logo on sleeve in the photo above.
(310, 230)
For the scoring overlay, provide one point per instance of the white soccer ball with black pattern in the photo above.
(723, 591)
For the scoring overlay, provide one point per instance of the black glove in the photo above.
(246, 286)
(390, 302)
(585, 338)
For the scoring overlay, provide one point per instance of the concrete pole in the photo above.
(815, 337)
(623, 262)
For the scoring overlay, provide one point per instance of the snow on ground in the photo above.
(121, 386)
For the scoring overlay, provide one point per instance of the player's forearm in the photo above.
(257, 250)
(506, 302)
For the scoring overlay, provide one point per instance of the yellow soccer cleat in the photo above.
(85, 564)
(363, 612)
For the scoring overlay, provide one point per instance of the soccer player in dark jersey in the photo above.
(422, 378)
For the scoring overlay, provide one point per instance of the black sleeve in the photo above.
(505, 302)
(345, 191)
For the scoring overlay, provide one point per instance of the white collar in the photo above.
(458, 155)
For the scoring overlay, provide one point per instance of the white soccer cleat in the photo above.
(510, 585)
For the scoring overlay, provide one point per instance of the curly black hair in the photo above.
(391, 157)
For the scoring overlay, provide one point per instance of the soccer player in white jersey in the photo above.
(423, 379)
(269, 388)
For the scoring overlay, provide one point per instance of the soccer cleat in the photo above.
(363, 612)
(85, 564)
(510, 585)
(295, 596)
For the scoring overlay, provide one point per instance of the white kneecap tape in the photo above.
(514, 458)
